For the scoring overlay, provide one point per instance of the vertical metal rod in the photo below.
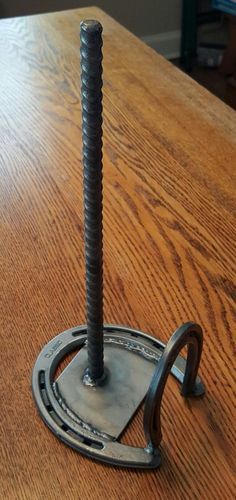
(91, 90)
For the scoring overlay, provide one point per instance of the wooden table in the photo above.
(169, 235)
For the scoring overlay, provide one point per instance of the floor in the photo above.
(216, 83)
(216, 33)
(211, 79)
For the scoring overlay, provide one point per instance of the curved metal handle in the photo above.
(189, 334)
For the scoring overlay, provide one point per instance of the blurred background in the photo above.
(190, 33)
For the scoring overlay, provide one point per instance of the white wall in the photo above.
(143, 17)
(146, 18)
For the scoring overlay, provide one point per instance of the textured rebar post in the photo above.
(91, 90)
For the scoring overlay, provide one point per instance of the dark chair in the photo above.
(192, 17)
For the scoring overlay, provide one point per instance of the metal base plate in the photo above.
(108, 407)
(89, 419)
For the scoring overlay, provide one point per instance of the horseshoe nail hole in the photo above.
(45, 398)
(133, 334)
(97, 445)
(64, 427)
(157, 346)
(93, 444)
(55, 417)
(75, 436)
(41, 379)
(78, 332)
(88, 442)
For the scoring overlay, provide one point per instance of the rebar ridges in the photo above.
(91, 90)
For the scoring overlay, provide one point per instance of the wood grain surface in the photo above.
(169, 250)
